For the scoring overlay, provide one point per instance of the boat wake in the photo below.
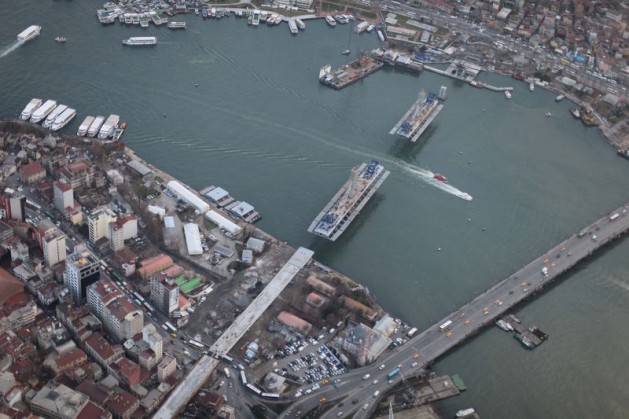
(10, 48)
(428, 177)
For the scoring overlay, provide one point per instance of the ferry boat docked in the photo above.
(330, 21)
(63, 119)
(53, 115)
(293, 27)
(140, 41)
(43, 111)
(30, 107)
(465, 412)
(504, 325)
(300, 24)
(108, 127)
(95, 126)
(176, 25)
(508, 94)
(559, 98)
(29, 33)
(85, 125)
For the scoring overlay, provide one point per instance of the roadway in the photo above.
(466, 322)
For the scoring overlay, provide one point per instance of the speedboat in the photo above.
(346, 52)
(548, 114)
(61, 39)
(440, 177)
(508, 94)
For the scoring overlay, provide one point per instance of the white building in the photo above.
(193, 239)
(151, 336)
(188, 196)
(99, 223)
(122, 229)
(223, 222)
(54, 248)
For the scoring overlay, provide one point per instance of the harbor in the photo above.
(349, 73)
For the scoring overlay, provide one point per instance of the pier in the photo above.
(349, 73)
(467, 79)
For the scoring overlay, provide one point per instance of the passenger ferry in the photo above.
(53, 115)
(177, 25)
(140, 41)
(85, 125)
(43, 111)
(330, 21)
(300, 24)
(30, 108)
(63, 119)
(29, 33)
(95, 126)
(108, 127)
(293, 27)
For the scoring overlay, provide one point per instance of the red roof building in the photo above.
(126, 371)
(154, 264)
(102, 352)
(122, 404)
(32, 172)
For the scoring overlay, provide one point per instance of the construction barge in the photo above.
(418, 117)
(349, 73)
(338, 214)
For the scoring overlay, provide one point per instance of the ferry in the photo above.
(465, 412)
(63, 119)
(31, 107)
(559, 98)
(575, 113)
(255, 18)
(508, 94)
(43, 111)
(128, 19)
(140, 40)
(177, 25)
(476, 84)
(108, 127)
(330, 21)
(440, 177)
(300, 24)
(61, 39)
(53, 115)
(144, 21)
(85, 125)
(293, 27)
(95, 126)
(29, 33)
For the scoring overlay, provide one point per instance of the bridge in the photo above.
(464, 322)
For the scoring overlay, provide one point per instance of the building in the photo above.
(82, 270)
(19, 251)
(122, 229)
(294, 322)
(66, 362)
(6, 232)
(166, 368)
(99, 295)
(32, 173)
(77, 174)
(126, 371)
(60, 402)
(151, 336)
(193, 239)
(63, 196)
(149, 267)
(54, 247)
(188, 196)
(16, 311)
(15, 207)
(101, 351)
(165, 294)
(122, 319)
(364, 344)
(122, 404)
(98, 222)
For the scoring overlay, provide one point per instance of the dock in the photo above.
(467, 79)
(346, 204)
(349, 73)
(532, 334)
(418, 117)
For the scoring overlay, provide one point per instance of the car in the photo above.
(414, 364)
(524, 290)
(339, 414)
(375, 382)
(381, 367)
(416, 356)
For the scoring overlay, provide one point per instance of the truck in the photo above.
(411, 332)
(226, 371)
(545, 271)
(614, 216)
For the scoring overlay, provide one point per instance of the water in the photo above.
(260, 125)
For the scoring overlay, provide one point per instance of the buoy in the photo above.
(439, 249)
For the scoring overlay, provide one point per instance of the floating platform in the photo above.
(418, 117)
(530, 338)
(458, 382)
(338, 214)
(349, 73)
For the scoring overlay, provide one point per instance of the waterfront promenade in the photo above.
(468, 320)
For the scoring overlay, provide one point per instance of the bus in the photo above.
(32, 205)
(226, 358)
(50, 215)
(138, 296)
(170, 327)
(270, 395)
(411, 332)
(393, 373)
(445, 326)
(148, 306)
(196, 344)
(254, 389)
(243, 377)
(117, 277)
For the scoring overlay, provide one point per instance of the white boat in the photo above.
(255, 18)
(293, 27)
(330, 21)
(559, 98)
(85, 125)
(370, 28)
(30, 108)
(532, 86)
(300, 24)
(278, 19)
(508, 94)
(61, 39)
(29, 33)
(53, 115)
(361, 27)
(176, 25)
(140, 40)
(548, 114)
(109, 126)
(346, 52)
(43, 111)
(270, 19)
(465, 412)
(504, 325)
(93, 129)
(63, 119)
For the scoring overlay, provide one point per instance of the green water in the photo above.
(260, 125)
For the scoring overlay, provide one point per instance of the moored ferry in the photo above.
(63, 119)
(53, 115)
(30, 108)
(95, 126)
(109, 126)
(43, 111)
(85, 125)
(300, 24)
(293, 27)
(177, 25)
(330, 21)
(140, 41)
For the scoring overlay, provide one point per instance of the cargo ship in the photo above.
(85, 125)
(338, 214)
(418, 117)
(43, 111)
(63, 119)
(29, 33)
(140, 41)
(95, 126)
(30, 107)
(108, 127)
(53, 115)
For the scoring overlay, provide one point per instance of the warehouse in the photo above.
(223, 222)
(193, 239)
(188, 196)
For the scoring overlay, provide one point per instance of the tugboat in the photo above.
(61, 39)
(440, 177)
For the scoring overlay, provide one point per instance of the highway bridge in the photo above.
(357, 397)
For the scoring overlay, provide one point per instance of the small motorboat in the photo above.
(440, 177)
(346, 52)
(61, 39)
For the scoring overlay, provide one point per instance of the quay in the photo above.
(349, 73)
(467, 79)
